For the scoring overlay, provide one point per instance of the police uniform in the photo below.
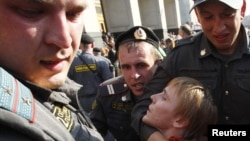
(29, 112)
(111, 66)
(114, 102)
(89, 71)
(228, 78)
(112, 108)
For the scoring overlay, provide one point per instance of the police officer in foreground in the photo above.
(138, 55)
(219, 57)
(37, 100)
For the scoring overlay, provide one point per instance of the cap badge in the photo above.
(140, 34)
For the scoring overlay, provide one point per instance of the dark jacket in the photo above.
(112, 110)
(228, 78)
(89, 71)
(29, 112)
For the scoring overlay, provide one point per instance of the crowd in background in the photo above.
(56, 85)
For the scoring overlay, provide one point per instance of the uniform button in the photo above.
(226, 118)
(226, 93)
(121, 127)
(226, 65)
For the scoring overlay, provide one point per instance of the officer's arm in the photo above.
(97, 116)
(105, 72)
(156, 85)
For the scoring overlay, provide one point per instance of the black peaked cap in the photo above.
(86, 39)
(138, 33)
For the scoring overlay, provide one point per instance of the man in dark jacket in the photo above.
(38, 42)
(219, 57)
(139, 57)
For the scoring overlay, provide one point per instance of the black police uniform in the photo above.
(112, 110)
(228, 78)
(115, 101)
(29, 112)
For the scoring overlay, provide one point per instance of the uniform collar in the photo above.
(44, 95)
(127, 97)
(206, 47)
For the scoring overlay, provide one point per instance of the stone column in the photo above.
(92, 26)
(120, 15)
(153, 15)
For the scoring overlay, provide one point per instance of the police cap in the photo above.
(86, 39)
(235, 4)
(138, 33)
(96, 49)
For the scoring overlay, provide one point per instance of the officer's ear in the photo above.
(92, 45)
(243, 10)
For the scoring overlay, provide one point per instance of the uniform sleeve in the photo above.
(72, 69)
(105, 71)
(156, 85)
(97, 116)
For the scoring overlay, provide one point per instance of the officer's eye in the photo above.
(30, 12)
(73, 14)
(207, 16)
(125, 67)
(229, 14)
(141, 65)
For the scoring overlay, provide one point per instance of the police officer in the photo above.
(219, 57)
(97, 52)
(89, 71)
(37, 100)
(138, 55)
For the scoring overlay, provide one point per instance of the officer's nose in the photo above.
(59, 32)
(134, 73)
(219, 25)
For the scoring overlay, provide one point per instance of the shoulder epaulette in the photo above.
(16, 97)
(112, 89)
(113, 86)
(187, 40)
(184, 41)
(117, 79)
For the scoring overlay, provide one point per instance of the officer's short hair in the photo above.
(96, 49)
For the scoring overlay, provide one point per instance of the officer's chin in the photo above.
(138, 93)
(53, 82)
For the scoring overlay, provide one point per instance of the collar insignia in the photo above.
(140, 34)
(124, 98)
(203, 52)
(63, 114)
